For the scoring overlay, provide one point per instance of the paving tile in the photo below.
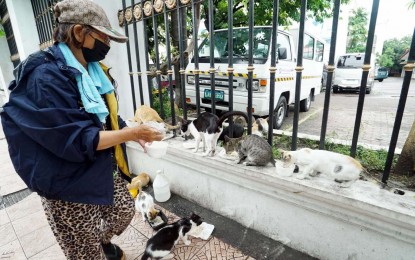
(183, 252)
(25, 207)
(218, 250)
(11, 183)
(54, 252)
(7, 234)
(12, 251)
(37, 241)
(4, 218)
(131, 242)
(7, 169)
(30, 223)
(142, 226)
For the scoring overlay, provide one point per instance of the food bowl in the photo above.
(159, 221)
(156, 149)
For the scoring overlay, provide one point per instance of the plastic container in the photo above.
(161, 187)
(159, 222)
(156, 149)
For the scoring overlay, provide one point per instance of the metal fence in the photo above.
(159, 13)
(11, 42)
(45, 22)
(151, 12)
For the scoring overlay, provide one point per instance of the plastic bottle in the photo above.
(161, 187)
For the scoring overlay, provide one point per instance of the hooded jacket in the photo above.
(52, 139)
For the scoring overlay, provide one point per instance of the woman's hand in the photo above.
(146, 134)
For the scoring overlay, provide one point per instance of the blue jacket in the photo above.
(52, 139)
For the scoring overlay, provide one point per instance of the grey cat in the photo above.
(255, 150)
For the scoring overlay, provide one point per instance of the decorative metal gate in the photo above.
(45, 23)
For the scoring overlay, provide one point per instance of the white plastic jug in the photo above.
(161, 187)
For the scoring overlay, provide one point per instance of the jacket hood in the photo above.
(51, 54)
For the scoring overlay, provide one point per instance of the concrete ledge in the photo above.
(314, 216)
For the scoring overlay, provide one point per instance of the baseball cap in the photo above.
(86, 12)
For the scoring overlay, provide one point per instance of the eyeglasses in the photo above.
(106, 40)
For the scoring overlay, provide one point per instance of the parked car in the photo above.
(349, 73)
(381, 74)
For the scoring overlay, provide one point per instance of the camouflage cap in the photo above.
(89, 13)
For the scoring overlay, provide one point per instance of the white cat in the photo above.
(145, 204)
(343, 168)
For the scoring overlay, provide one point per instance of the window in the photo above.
(319, 51)
(308, 47)
(283, 44)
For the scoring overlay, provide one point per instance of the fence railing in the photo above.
(45, 22)
(157, 15)
(147, 12)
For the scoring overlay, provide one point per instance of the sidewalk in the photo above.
(25, 233)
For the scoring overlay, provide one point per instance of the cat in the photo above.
(207, 127)
(255, 149)
(145, 114)
(145, 204)
(260, 127)
(139, 181)
(161, 244)
(236, 129)
(343, 168)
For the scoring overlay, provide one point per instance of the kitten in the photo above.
(145, 114)
(161, 244)
(343, 168)
(145, 204)
(256, 150)
(207, 127)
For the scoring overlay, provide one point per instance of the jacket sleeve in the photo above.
(46, 108)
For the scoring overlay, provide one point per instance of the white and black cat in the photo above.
(344, 169)
(161, 244)
(207, 127)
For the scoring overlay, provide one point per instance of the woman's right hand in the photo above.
(146, 133)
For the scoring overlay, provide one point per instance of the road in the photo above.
(377, 120)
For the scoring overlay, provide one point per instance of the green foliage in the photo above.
(289, 11)
(2, 33)
(393, 49)
(166, 104)
(357, 31)
(371, 160)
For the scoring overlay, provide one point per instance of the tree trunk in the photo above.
(406, 161)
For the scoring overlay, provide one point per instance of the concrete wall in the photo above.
(6, 70)
(313, 216)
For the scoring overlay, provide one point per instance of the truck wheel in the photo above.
(305, 104)
(336, 89)
(280, 112)
(380, 80)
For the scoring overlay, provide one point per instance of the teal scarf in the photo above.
(91, 84)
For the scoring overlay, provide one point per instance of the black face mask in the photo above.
(97, 53)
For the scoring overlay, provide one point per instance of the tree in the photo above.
(392, 52)
(2, 33)
(357, 31)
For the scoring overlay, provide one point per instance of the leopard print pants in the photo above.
(80, 228)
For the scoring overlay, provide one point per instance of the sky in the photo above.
(394, 20)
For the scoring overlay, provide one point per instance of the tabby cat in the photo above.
(255, 150)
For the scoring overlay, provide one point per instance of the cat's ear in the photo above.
(282, 151)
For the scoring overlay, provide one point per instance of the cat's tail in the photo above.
(146, 256)
(232, 113)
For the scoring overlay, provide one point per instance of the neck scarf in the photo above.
(91, 84)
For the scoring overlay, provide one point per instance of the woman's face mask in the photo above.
(97, 53)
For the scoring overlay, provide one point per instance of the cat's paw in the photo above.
(187, 242)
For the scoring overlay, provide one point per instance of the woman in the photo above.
(62, 129)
